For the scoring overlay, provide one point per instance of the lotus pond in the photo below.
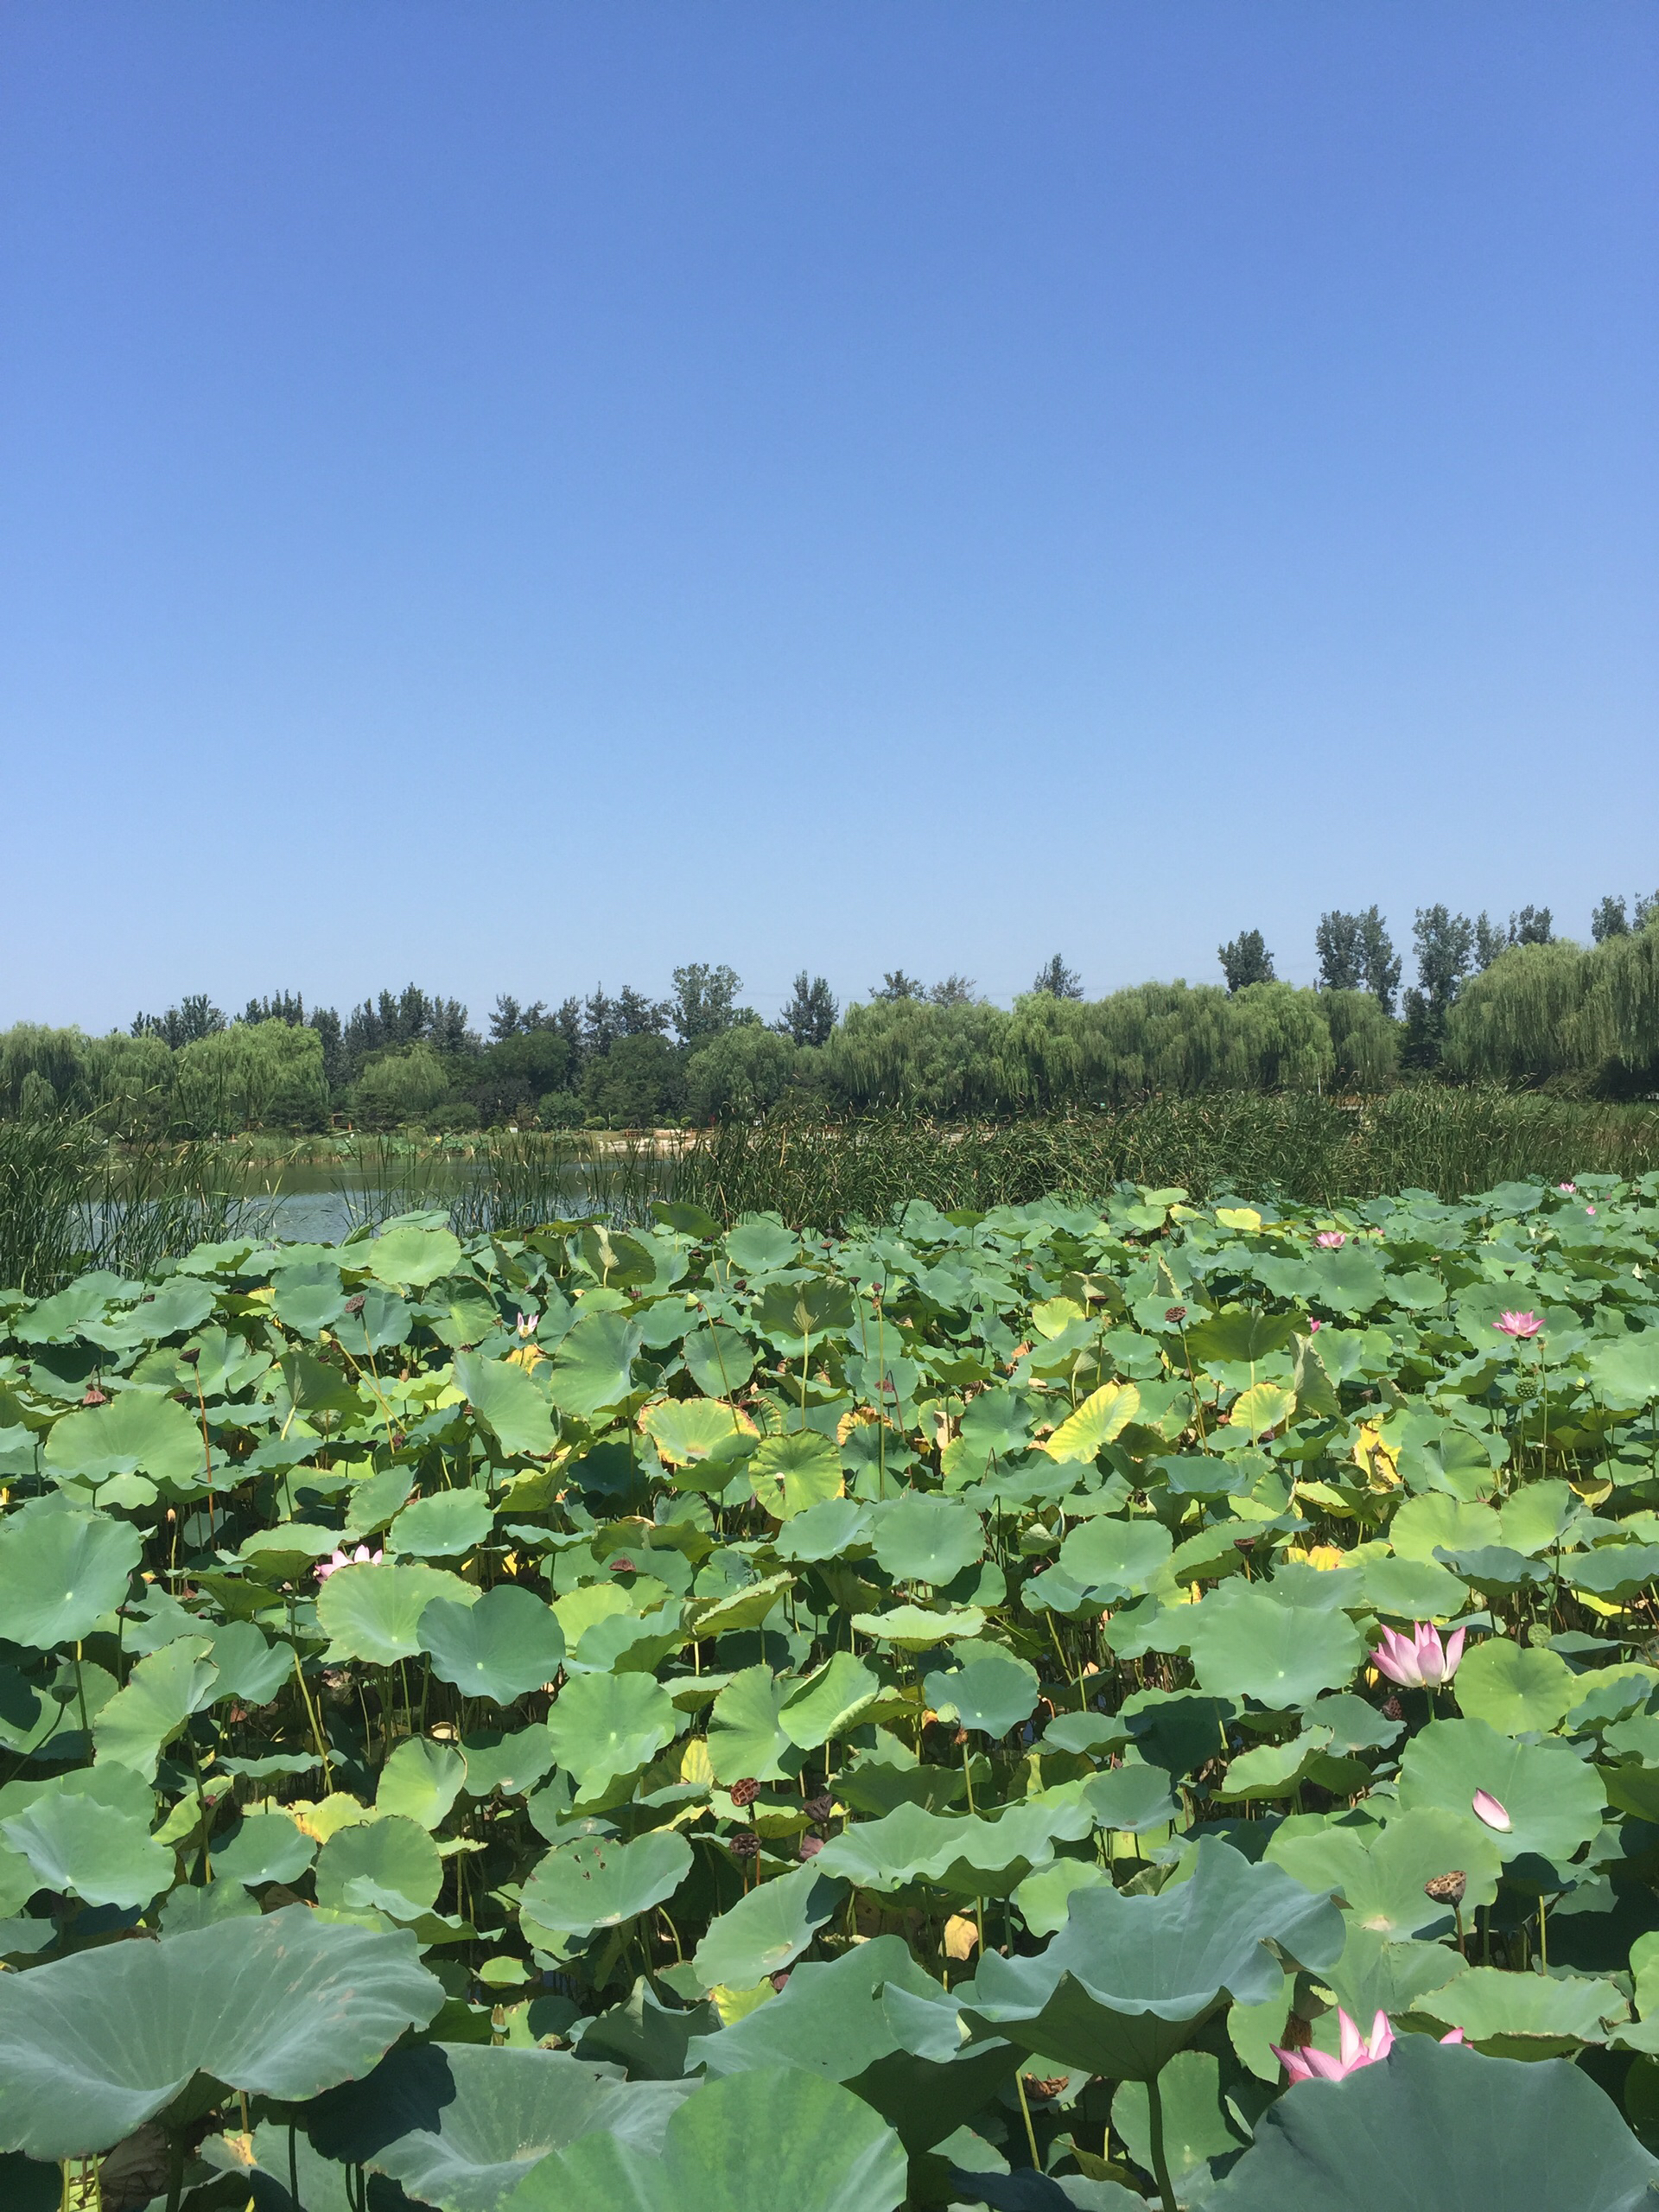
(1067, 1706)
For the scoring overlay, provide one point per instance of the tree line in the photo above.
(1512, 1003)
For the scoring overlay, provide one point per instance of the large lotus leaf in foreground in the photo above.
(60, 1571)
(459, 2125)
(1129, 1980)
(754, 2142)
(1438, 2129)
(285, 2006)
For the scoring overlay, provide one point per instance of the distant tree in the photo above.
(951, 990)
(395, 1019)
(285, 1006)
(1341, 950)
(895, 984)
(1246, 959)
(568, 1022)
(637, 1083)
(809, 1014)
(512, 1019)
(1647, 910)
(743, 1071)
(1489, 940)
(1609, 919)
(1379, 962)
(184, 1024)
(704, 1001)
(639, 1016)
(1446, 947)
(326, 1023)
(1532, 925)
(1058, 979)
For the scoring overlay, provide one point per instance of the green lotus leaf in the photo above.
(1526, 2015)
(1616, 1572)
(1044, 1898)
(61, 1571)
(1438, 2128)
(375, 1612)
(511, 1762)
(600, 1881)
(1376, 1974)
(1241, 1336)
(1245, 1641)
(421, 1780)
(914, 1628)
(1197, 2124)
(1130, 1799)
(283, 2006)
(372, 1502)
(1410, 1589)
(250, 1667)
(460, 2125)
(1099, 1421)
(192, 1907)
(829, 1703)
(1516, 1689)
(1110, 1560)
(592, 1367)
(761, 1247)
(1274, 1770)
(746, 1738)
(410, 1257)
(965, 1854)
(1176, 1730)
(604, 1727)
(767, 1928)
(264, 1848)
(309, 1297)
(719, 1359)
(922, 1537)
(442, 1526)
(991, 1690)
(749, 2143)
(791, 1472)
(1433, 1522)
(140, 1431)
(1381, 1874)
(382, 1320)
(1349, 1281)
(1625, 1370)
(510, 1401)
(1129, 1980)
(834, 2020)
(687, 1430)
(392, 1865)
(509, 1642)
(96, 1852)
(794, 1313)
(162, 1693)
(1554, 1799)
(1535, 1519)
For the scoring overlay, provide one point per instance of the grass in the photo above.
(70, 1200)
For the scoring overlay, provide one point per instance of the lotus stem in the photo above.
(1025, 2114)
(316, 1725)
(1160, 2158)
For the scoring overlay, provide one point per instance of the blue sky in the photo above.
(518, 494)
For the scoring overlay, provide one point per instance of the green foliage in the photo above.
(999, 1584)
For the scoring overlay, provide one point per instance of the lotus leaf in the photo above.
(61, 1572)
(1525, 2015)
(375, 1612)
(264, 1848)
(1044, 1899)
(249, 1666)
(510, 1400)
(1129, 1980)
(1197, 2126)
(720, 1360)
(992, 1690)
(411, 1256)
(162, 1693)
(309, 1297)
(1554, 1801)
(421, 1780)
(749, 2143)
(1516, 1689)
(500, 1646)
(94, 1851)
(922, 1537)
(284, 2005)
(597, 1882)
(460, 2125)
(915, 1629)
(1110, 1560)
(1244, 1640)
(830, 1702)
(592, 1367)
(1098, 1421)
(139, 1431)
(1433, 2127)
(442, 1526)
(389, 1865)
(791, 1472)
(962, 1853)
(767, 1928)
(604, 1727)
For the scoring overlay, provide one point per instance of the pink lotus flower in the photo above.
(1329, 1240)
(361, 1557)
(526, 1324)
(1419, 1660)
(1519, 1324)
(1590, 1210)
(1313, 1325)
(1310, 2065)
(1486, 1807)
(1570, 1188)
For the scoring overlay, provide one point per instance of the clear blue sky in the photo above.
(517, 494)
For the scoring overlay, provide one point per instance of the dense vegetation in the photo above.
(1517, 1006)
(709, 1722)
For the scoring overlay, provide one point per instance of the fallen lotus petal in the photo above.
(1487, 1808)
